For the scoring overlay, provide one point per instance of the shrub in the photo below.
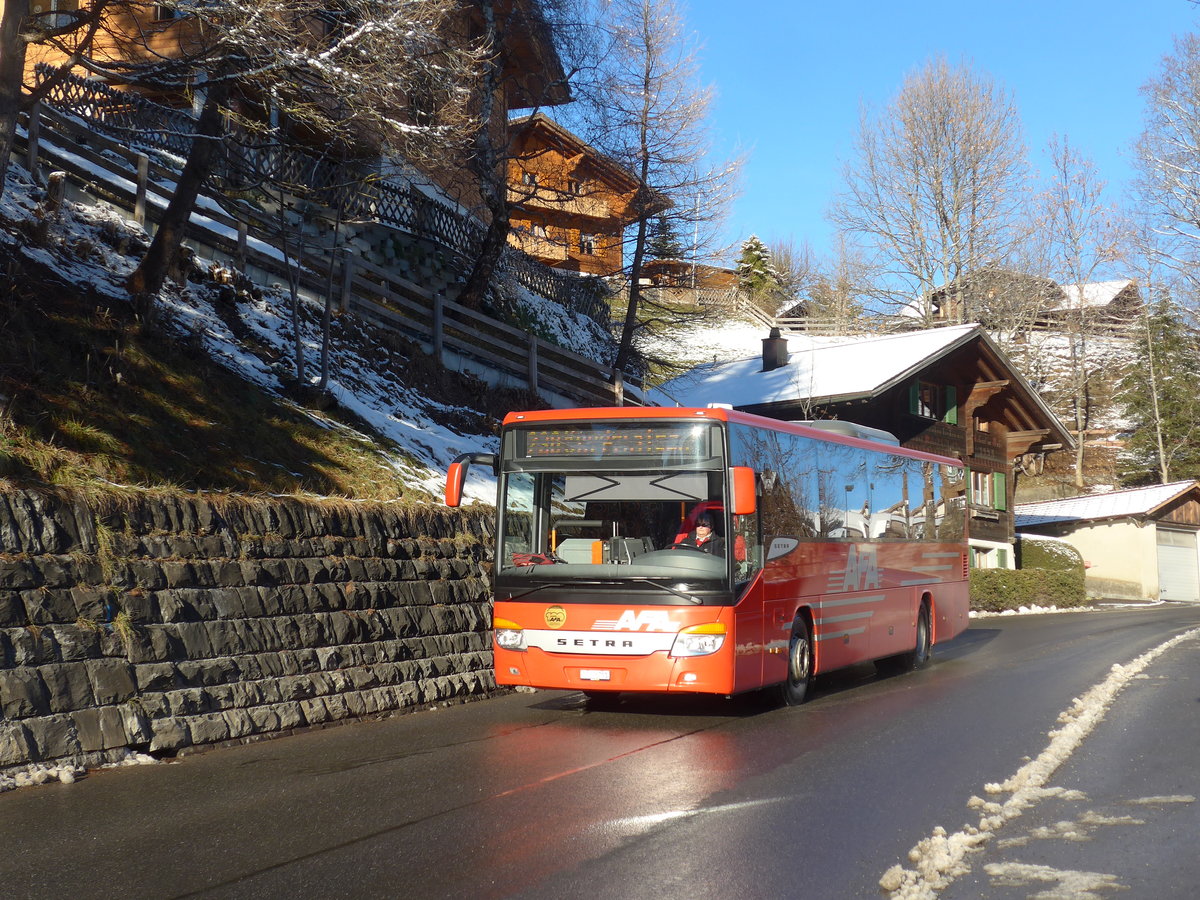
(996, 590)
(1035, 551)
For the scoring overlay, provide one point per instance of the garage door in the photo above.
(1178, 575)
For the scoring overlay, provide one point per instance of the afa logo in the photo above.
(555, 616)
(646, 620)
(861, 572)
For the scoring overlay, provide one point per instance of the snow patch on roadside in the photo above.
(1068, 884)
(1036, 610)
(941, 858)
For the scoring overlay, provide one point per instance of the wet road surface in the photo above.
(541, 795)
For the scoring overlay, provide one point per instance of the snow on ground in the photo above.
(1045, 360)
(708, 342)
(941, 858)
(82, 241)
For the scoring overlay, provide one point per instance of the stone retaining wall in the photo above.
(146, 622)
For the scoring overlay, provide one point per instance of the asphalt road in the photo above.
(540, 795)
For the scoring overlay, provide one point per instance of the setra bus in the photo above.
(832, 546)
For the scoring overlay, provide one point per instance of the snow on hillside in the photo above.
(366, 377)
(82, 241)
(1045, 360)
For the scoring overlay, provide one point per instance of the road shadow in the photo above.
(971, 641)
(753, 703)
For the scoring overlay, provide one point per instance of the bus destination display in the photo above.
(654, 441)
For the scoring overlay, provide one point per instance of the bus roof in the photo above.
(719, 414)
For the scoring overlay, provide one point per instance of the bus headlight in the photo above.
(699, 640)
(509, 635)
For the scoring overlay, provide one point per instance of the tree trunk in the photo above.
(492, 177)
(625, 348)
(147, 279)
(12, 73)
(494, 241)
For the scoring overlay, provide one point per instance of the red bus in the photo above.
(834, 546)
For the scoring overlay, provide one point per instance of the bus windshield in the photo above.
(631, 504)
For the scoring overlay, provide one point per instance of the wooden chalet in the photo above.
(1040, 302)
(532, 75)
(947, 390)
(681, 273)
(570, 203)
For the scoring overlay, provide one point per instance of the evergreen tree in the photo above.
(1162, 406)
(756, 272)
(664, 242)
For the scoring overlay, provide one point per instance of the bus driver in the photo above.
(703, 538)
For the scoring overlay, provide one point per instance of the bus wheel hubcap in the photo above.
(799, 659)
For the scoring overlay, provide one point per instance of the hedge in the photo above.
(1035, 551)
(995, 590)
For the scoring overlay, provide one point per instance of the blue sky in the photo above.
(790, 76)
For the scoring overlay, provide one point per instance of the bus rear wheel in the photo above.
(917, 657)
(800, 670)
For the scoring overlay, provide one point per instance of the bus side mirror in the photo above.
(744, 500)
(456, 476)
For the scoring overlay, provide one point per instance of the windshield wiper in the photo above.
(548, 584)
(666, 587)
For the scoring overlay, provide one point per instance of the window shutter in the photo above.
(914, 398)
(999, 491)
(951, 416)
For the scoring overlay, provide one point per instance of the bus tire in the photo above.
(918, 656)
(794, 690)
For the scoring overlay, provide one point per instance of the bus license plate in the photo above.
(595, 674)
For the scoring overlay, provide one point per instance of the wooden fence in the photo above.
(357, 188)
(127, 179)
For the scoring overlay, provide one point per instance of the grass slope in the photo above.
(87, 393)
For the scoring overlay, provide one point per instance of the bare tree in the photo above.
(70, 32)
(551, 21)
(796, 266)
(646, 109)
(935, 187)
(1162, 407)
(1077, 229)
(348, 76)
(1168, 158)
(840, 288)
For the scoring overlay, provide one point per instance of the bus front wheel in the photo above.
(800, 670)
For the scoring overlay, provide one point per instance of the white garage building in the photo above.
(1138, 544)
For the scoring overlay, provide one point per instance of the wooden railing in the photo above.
(357, 191)
(127, 179)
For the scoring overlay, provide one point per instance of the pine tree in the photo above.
(1159, 393)
(664, 242)
(756, 272)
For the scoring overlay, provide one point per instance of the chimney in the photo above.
(775, 352)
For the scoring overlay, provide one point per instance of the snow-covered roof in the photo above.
(1093, 296)
(1114, 505)
(839, 369)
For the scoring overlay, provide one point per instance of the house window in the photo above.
(933, 401)
(529, 179)
(989, 490)
(988, 557)
(981, 488)
(539, 231)
(587, 244)
(45, 7)
(574, 187)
